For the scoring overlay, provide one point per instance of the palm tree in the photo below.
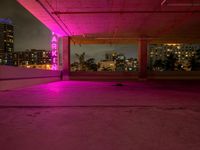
(81, 59)
(91, 65)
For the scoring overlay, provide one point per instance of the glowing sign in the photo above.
(54, 52)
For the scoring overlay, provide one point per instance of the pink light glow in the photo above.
(54, 52)
(54, 67)
(54, 60)
(54, 46)
(54, 39)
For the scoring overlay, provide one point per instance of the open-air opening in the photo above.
(103, 57)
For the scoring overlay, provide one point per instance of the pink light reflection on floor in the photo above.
(105, 93)
(164, 116)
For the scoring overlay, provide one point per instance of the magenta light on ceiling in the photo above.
(54, 52)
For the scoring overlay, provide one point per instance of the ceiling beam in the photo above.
(163, 2)
(179, 4)
(122, 12)
(52, 17)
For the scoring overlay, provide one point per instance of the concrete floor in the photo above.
(161, 115)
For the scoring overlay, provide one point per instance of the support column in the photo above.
(142, 57)
(66, 57)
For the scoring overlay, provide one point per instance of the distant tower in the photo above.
(6, 41)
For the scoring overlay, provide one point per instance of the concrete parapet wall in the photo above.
(174, 75)
(126, 76)
(105, 76)
(17, 77)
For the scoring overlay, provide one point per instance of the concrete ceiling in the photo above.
(120, 20)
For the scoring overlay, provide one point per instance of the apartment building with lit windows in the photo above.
(6, 41)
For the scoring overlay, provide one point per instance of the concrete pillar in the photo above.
(66, 57)
(142, 57)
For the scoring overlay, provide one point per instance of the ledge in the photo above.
(17, 77)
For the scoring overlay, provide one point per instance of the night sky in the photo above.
(98, 51)
(32, 34)
(29, 32)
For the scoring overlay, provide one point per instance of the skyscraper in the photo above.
(6, 41)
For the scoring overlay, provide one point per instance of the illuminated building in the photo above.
(6, 41)
(117, 62)
(107, 65)
(131, 64)
(181, 54)
(40, 59)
